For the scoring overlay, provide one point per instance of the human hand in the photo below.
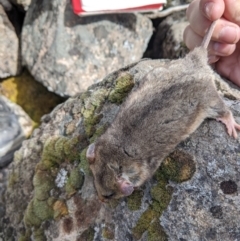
(224, 49)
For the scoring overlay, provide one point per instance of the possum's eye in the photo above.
(114, 168)
(109, 196)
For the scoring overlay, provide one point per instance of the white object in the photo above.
(90, 7)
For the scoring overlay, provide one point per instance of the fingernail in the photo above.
(223, 49)
(216, 47)
(229, 32)
(212, 59)
(208, 9)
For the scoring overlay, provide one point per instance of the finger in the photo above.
(232, 11)
(195, 17)
(205, 11)
(213, 59)
(193, 40)
(229, 67)
(224, 32)
(221, 49)
(212, 9)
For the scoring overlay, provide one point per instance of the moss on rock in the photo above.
(25, 236)
(33, 97)
(42, 183)
(84, 166)
(123, 86)
(144, 222)
(38, 235)
(108, 233)
(134, 201)
(76, 178)
(43, 206)
(99, 131)
(30, 219)
(156, 232)
(42, 210)
(13, 178)
(178, 166)
(75, 181)
(87, 235)
(92, 105)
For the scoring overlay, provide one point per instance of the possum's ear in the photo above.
(91, 153)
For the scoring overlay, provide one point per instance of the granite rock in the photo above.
(22, 4)
(68, 53)
(9, 47)
(168, 41)
(207, 206)
(51, 196)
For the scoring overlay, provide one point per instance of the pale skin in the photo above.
(224, 49)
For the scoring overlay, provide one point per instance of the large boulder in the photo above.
(9, 47)
(23, 4)
(168, 40)
(51, 196)
(68, 53)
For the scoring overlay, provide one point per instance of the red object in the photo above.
(77, 8)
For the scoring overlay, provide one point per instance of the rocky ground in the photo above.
(47, 192)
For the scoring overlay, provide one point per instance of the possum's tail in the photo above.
(208, 35)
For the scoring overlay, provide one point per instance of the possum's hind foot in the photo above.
(230, 123)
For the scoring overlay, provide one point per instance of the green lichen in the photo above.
(179, 166)
(43, 183)
(58, 149)
(98, 133)
(87, 235)
(70, 190)
(30, 219)
(108, 233)
(98, 97)
(156, 232)
(92, 105)
(71, 149)
(74, 182)
(143, 223)
(123, 86)
(39, 235)
(150, 218)
(51, 201)
(134, 201)
(76, 178)
(25, 236)
(51, 152)
(43, 207)
(84, 166)
(42, 210)
(13, 178)
(161, 198)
